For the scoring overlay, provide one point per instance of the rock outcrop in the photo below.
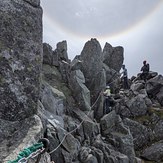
(115, 137)
(154, 152)
(20, 69)
(113, 56)
(92, 67)
(155, 88)
(80, 91)
(20, 58)
(48, 54)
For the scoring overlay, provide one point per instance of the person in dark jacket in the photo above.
(145, 71)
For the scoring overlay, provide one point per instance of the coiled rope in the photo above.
(32, 152)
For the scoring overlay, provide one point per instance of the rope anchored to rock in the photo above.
(32, 152)
(68, 133)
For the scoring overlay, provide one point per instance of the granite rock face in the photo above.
(34, 3)
(154, 152)
(20, 58)
(80, 91)
(92, 68)
(17, 135)
(155, 88)
(47, 54)
(113, 56)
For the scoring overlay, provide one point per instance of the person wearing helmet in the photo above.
(107, 94)
(145, 71)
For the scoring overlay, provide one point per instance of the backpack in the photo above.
(147, 67)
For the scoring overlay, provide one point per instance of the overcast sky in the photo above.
(137, 25)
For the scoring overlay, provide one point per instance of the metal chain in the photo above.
(32, 155)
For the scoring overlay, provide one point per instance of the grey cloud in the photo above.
(100, 17)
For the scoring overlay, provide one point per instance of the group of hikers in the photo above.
(109, 100)
(143, 75)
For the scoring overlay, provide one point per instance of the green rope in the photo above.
(27, 151)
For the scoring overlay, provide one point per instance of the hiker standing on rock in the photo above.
(125, 77)
(145, 71)
(107, 94)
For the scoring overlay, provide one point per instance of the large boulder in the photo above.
(104, 152)
(159, 96)
(47, 54)
(158, 130)
(60, 53)
(137, 86)
(142, 135)
(92, 68)
(64, 146)
(114, 130)
(112, 78)
(91, 57)
(76, 63)
(85, 156)
(70, 143)
(52, 99)
(20, 58)
(62, 50)
(133, 105)
(18, 135)
(91, 130)
(154, 152)
(155, 88)
(137, 105)
(80, 91)
(55, 58)
(113, 56)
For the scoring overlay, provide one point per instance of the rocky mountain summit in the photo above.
(131, 132)
(43, 94)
